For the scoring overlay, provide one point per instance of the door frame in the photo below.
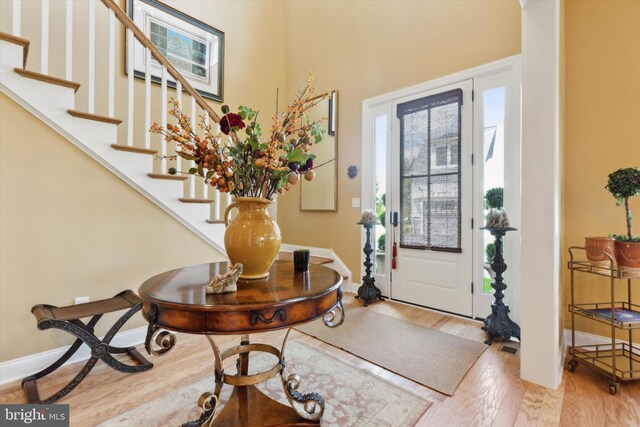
(384, 103)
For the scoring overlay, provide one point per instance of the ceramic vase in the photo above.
(252, 237)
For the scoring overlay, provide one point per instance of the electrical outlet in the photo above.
(80, 300)
(355, 202)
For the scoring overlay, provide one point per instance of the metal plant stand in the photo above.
(368, 291)
(498, 324)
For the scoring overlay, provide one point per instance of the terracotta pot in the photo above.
(252, 238)
(595, 247)
(628, 257)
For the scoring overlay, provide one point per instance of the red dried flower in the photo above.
(228, 121)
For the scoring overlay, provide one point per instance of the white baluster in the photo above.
(147, 98)
(92, 58)
(216, 204)
(68, 67)
(192, 164)
(163, 143)
(112, 64)
(16, 17)
(44, 38)
(205, 187)
(179, 99)
(130, 88)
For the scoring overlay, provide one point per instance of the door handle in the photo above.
(394, 222)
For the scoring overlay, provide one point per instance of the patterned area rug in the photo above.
(353, 396)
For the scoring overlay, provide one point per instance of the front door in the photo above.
(432, 195)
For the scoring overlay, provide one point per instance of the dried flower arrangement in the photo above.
(253, 166)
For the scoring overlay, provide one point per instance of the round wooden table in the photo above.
(177, 301)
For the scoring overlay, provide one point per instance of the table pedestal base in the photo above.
(248, 406)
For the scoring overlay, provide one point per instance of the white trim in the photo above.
(481, 70)
(44, 37)
(585, 338)
(17, 369)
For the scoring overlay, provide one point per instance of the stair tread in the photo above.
(47, 78)
(132, 149)
(96, 117)
(167, 176)
(288, 256)
(19, 41)
(194, 200)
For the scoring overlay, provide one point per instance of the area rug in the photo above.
(433, 358)
(353, 396)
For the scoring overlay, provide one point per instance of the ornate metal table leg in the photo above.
(309, 406)
(164, 339)
(329, 319)
(209, 401)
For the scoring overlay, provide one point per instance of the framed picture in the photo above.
(194, 48)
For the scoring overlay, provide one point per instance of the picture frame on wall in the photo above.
(194, 48)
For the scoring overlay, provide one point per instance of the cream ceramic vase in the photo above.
(252, 238)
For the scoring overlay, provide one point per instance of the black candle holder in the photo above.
(498, 324)
(368, 291)
(301, 259)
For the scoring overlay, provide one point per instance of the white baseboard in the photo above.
(585, 338)
(17, 369)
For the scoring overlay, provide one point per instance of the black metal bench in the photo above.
(68, 319)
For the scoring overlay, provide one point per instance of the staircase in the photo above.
(112, 125)
(68, 105)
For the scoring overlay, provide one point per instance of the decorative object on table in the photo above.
(352, 171)
(623, 184)
(597, 248)
(225, 282)
(368, 291)
(254, 169)
(301, 259)
(68, 319)
(194, 48)
(498, 324)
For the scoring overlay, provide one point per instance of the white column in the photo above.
(130, 87)
(68, 68)
(542, 347)
(16, 17)
(44, 38)
(112, 64)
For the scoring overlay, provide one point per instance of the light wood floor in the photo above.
(491, 394)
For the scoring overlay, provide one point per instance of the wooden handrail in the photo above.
(138, 34)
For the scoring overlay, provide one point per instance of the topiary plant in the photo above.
(494, 198)
(625, 183)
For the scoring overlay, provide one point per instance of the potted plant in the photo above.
(623, 184)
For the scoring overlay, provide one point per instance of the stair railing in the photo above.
(150, 51)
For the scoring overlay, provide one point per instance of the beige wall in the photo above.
(71, 228)
(364, 49)
(602, 106)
